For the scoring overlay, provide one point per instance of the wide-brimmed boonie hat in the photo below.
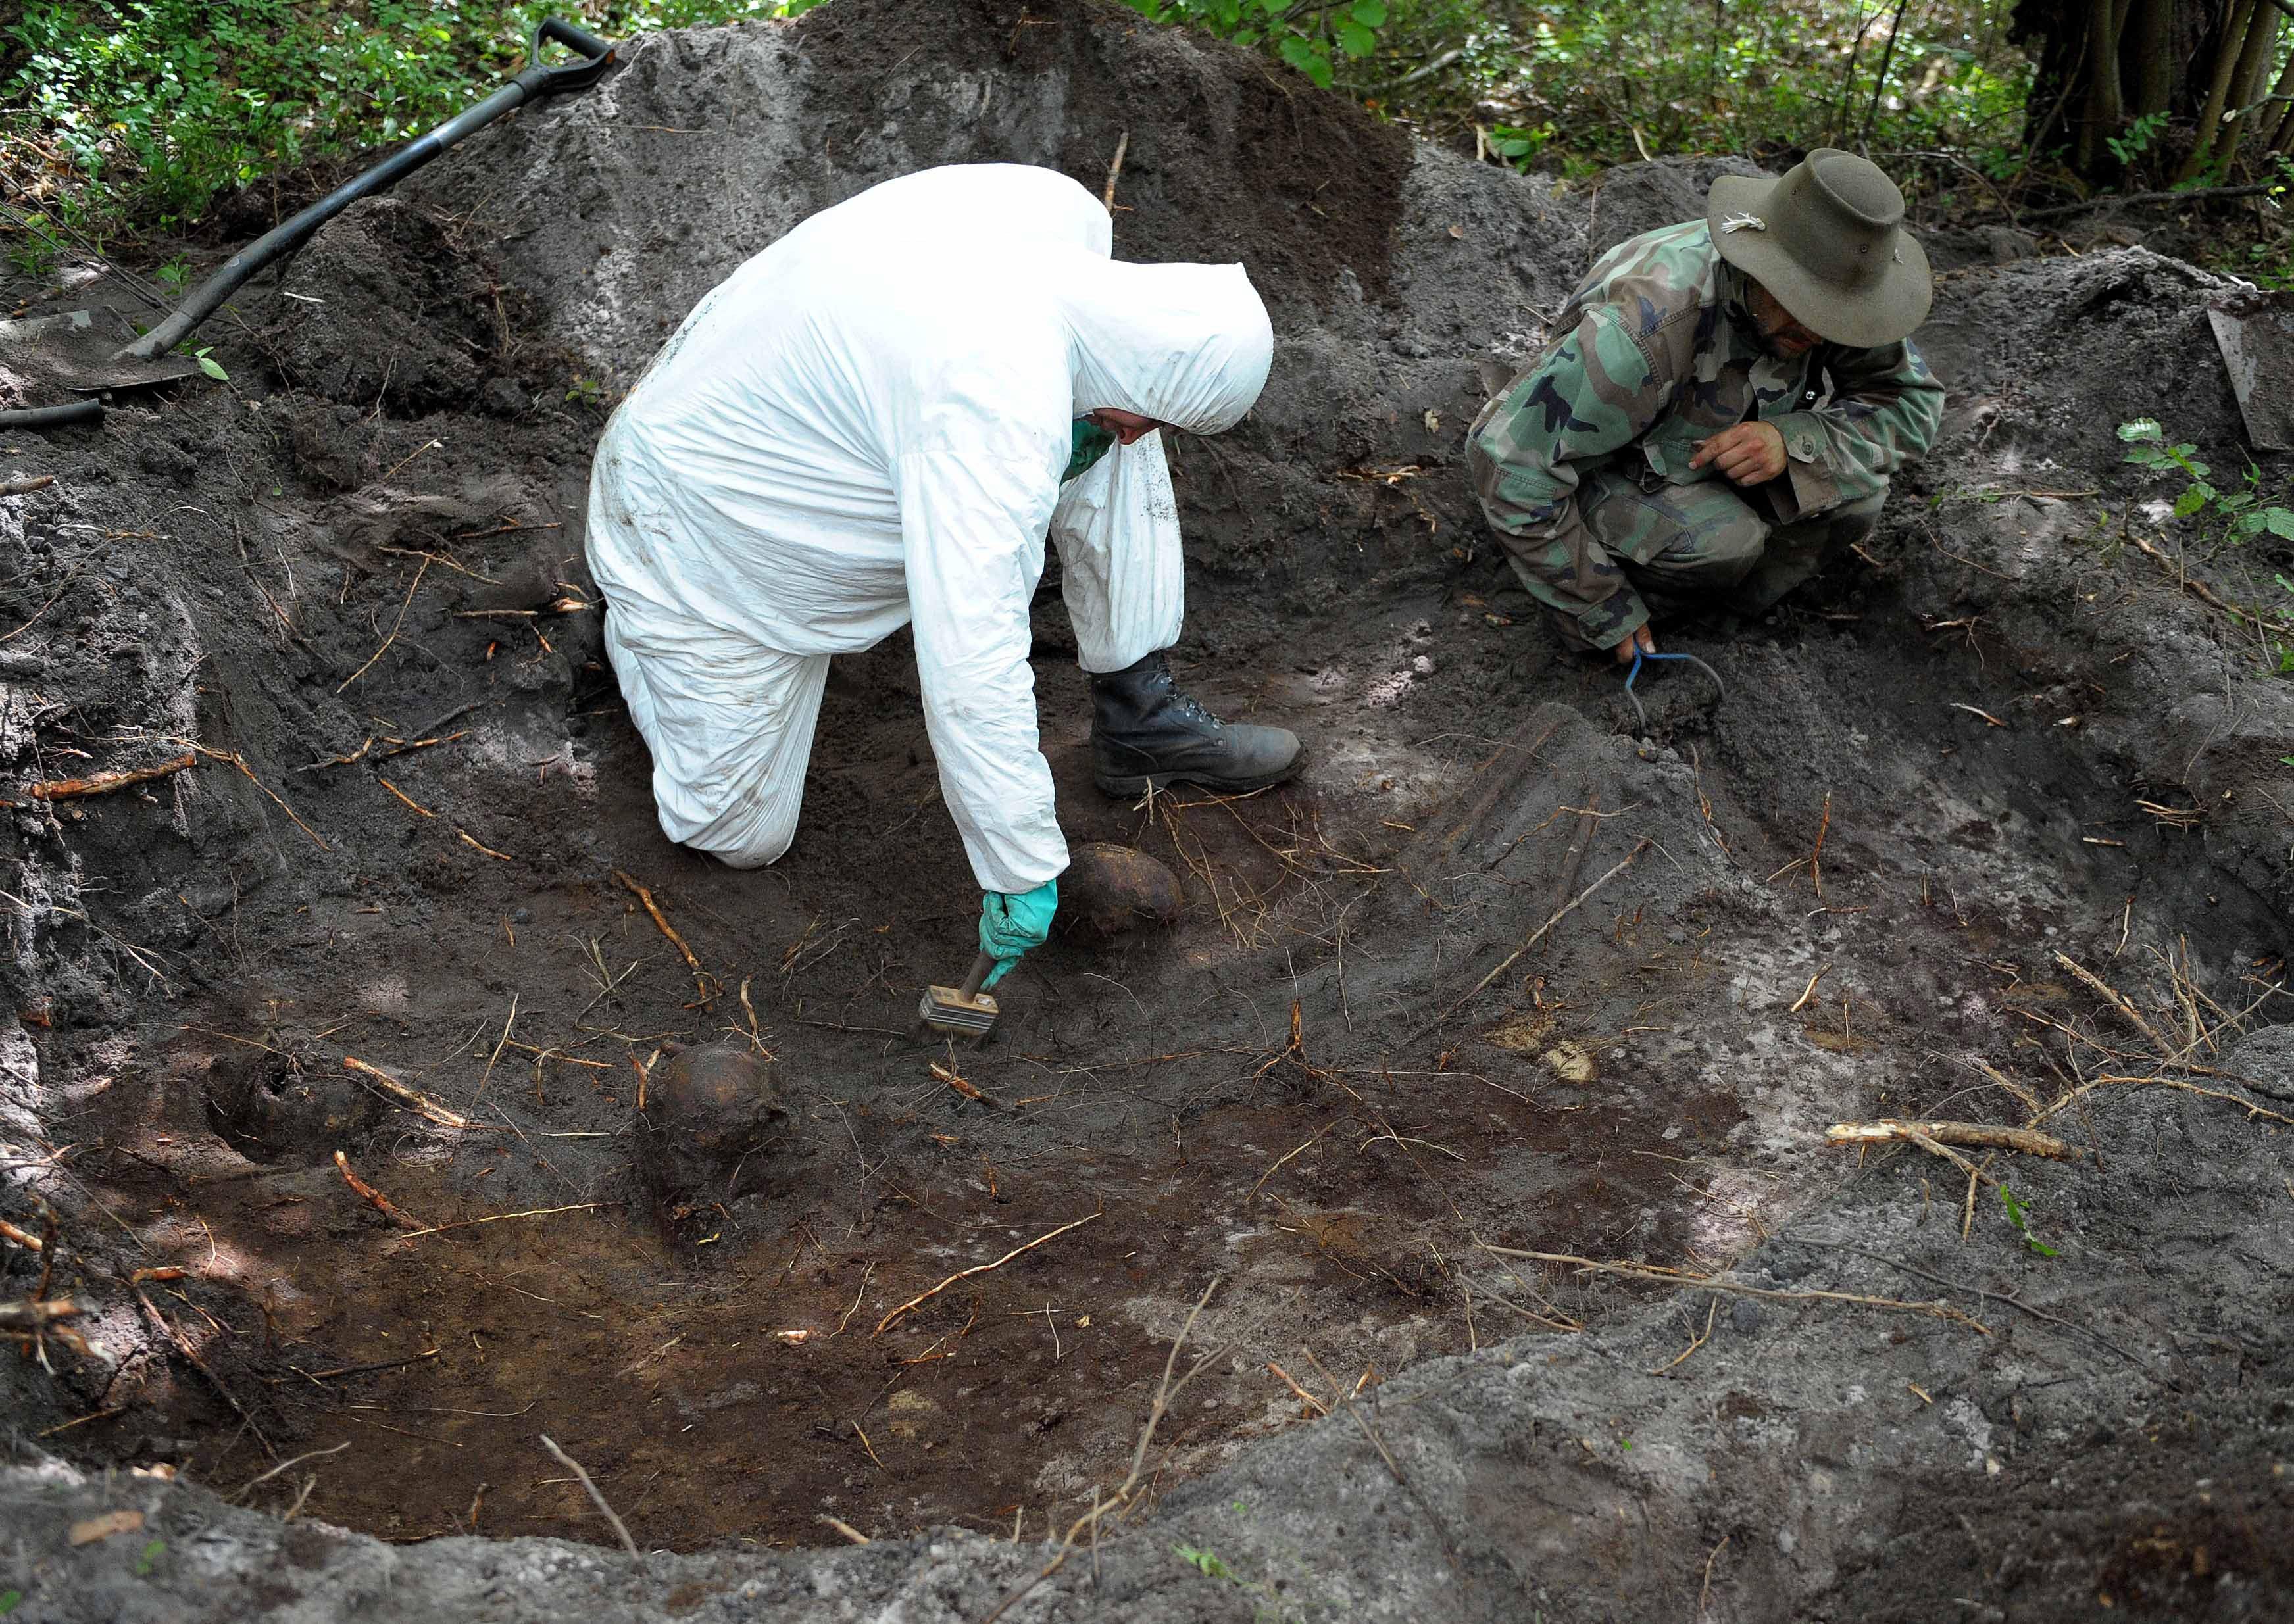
(1827, 238)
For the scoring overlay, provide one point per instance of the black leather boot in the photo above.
(1145, 733)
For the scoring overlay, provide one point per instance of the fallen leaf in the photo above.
(1458, 232)
(104, 1527)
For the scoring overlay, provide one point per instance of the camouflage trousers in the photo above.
(1691, 549)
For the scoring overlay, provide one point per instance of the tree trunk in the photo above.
(2102, 64)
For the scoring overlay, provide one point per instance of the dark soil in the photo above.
(2000, 738)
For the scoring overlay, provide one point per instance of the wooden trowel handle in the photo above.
(982, 967)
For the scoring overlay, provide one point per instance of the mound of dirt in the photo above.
(1480, 1089)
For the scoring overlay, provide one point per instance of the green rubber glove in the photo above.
(1011, 925)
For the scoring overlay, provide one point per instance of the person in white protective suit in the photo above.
(876, 422)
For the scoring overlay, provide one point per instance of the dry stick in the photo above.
(413, 1099)
(1538, 934)
(1816, 857)
(104, 784)
(1967, 1217)
(532, 1212)
(41, 482)
(487, 1075)
(374, 1198)
(1704, 1596)
(292, 1461)
(1977, 1292)
(1697, 1339)
(32, 1315)
(597, 1500)
(750, 1010)
(1285, 1156)
(29, 1242)
(1165, 1391)
(240, 761)
(2198, 590)
(1122, 145)
(2023, 1140)
(2251, 1109)
(1291, 1383)
(403, 607)
(962, 1274)
(463, 836)
(1346, 1402)
(411, 804)
(865, 1274)
(371, 1366)
(184, 1346)
(1661, 1276)
(845, 1529)
(2117, 1001)
(42, 610)
(700, 980)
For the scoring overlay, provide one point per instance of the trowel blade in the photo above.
(2255, 331)
(74, 350)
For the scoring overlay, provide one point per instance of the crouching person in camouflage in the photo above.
(1723, 403)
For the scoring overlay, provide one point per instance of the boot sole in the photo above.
(1140, 783)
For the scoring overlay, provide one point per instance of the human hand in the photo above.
(1010, 925)
(1642, 642)
(1749, 453)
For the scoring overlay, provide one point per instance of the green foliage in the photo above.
(1206, 1562)
(1579, 83)
(2244, 513)
(2135, 139)
(1315, 36)
(150, 1558)
(10, 1600)
(2017, 1211)
(209, 365)
(146, 110)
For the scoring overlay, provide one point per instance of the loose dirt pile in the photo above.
(1990, 827)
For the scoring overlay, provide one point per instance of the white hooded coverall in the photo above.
(865, 425)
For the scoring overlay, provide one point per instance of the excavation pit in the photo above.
(1992, 814)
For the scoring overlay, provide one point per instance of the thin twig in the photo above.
(413, 1099)
(597, 1500)
(1122, 145)
(1657, 1275)
(922, 1297)
(1537, 935)
(700, 978)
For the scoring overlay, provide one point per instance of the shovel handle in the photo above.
(572, 37)
(597, 55)
(983, 966)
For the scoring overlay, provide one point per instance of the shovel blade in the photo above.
(74, 351)
(2255, 332)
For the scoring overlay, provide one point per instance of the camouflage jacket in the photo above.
(1657, 352)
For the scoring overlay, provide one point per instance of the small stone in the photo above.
(1110, 889)
(1572, 1062)
(1423, 665)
